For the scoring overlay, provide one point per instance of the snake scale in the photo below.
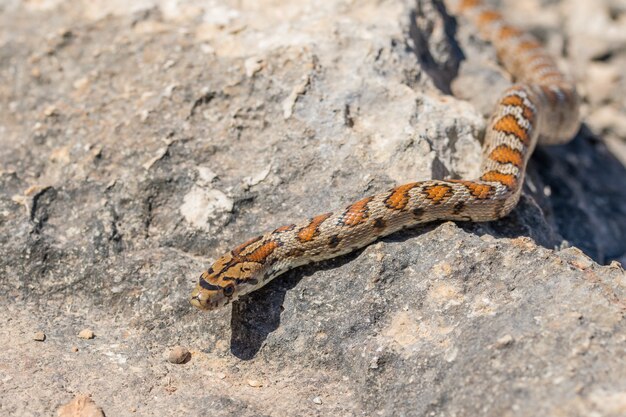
(542, 107)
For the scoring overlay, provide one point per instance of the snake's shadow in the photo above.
(585, 200)
(256, 315)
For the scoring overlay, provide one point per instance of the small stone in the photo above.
(50, 110)
(81, 406)
(374, 362)
(74, 349)
(86, 334)
(601, 80)
(221, 375)
(178, 355)
(81, 83)
(253, 65)
(39, 336)
(317, 400)
(504, 341)
(255, 383)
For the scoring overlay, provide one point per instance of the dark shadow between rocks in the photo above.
(442, 68)
(586, 199)
(574, 195)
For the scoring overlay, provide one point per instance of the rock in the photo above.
(601, 80)
(253, 65)
(147, 138)
(255, 383)
(39, 336)
(81, 406)
(86, 334)
(179, 354)
(504, 341)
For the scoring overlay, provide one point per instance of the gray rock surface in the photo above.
(140, 140)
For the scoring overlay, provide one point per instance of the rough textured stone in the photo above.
(80, 406)
(121, 121)
(178, 354)
(86, 334)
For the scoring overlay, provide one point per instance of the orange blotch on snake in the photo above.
(509, 180)
(310, 231)
(528, 46)
(468, 4)
(512, 100)
(508, 124)
(509, 32)
(517, 101)
(438, 193)
(504, 154)
(478, 190)
(488, 16)
(237, 251)
(262, 252)
(399, 197)
(285, 228)
(356, 213)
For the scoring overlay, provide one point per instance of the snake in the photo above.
(542, 106)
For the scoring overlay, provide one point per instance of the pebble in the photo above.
(74, 349)
(50, 110)
(253, 65)
(81, 406)
(601, 81)
(86, 334)
(255, 383)
(504, 341)
(178, 354)
(317, 400)
(39, 336)
(81, 83)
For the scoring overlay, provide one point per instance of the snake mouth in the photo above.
(195, 301)
(204, 305)
(205, 302)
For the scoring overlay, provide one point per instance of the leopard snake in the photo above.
(543, 106)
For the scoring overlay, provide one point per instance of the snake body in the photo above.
(542, 106)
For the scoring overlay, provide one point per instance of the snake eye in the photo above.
(229, 290)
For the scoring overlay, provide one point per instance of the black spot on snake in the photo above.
(458, 207)
(418, 212)
(207, 286)
(379, 223)
(334, 241)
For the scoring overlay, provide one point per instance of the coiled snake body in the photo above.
(543, 107)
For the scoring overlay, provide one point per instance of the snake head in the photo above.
(225, 281)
